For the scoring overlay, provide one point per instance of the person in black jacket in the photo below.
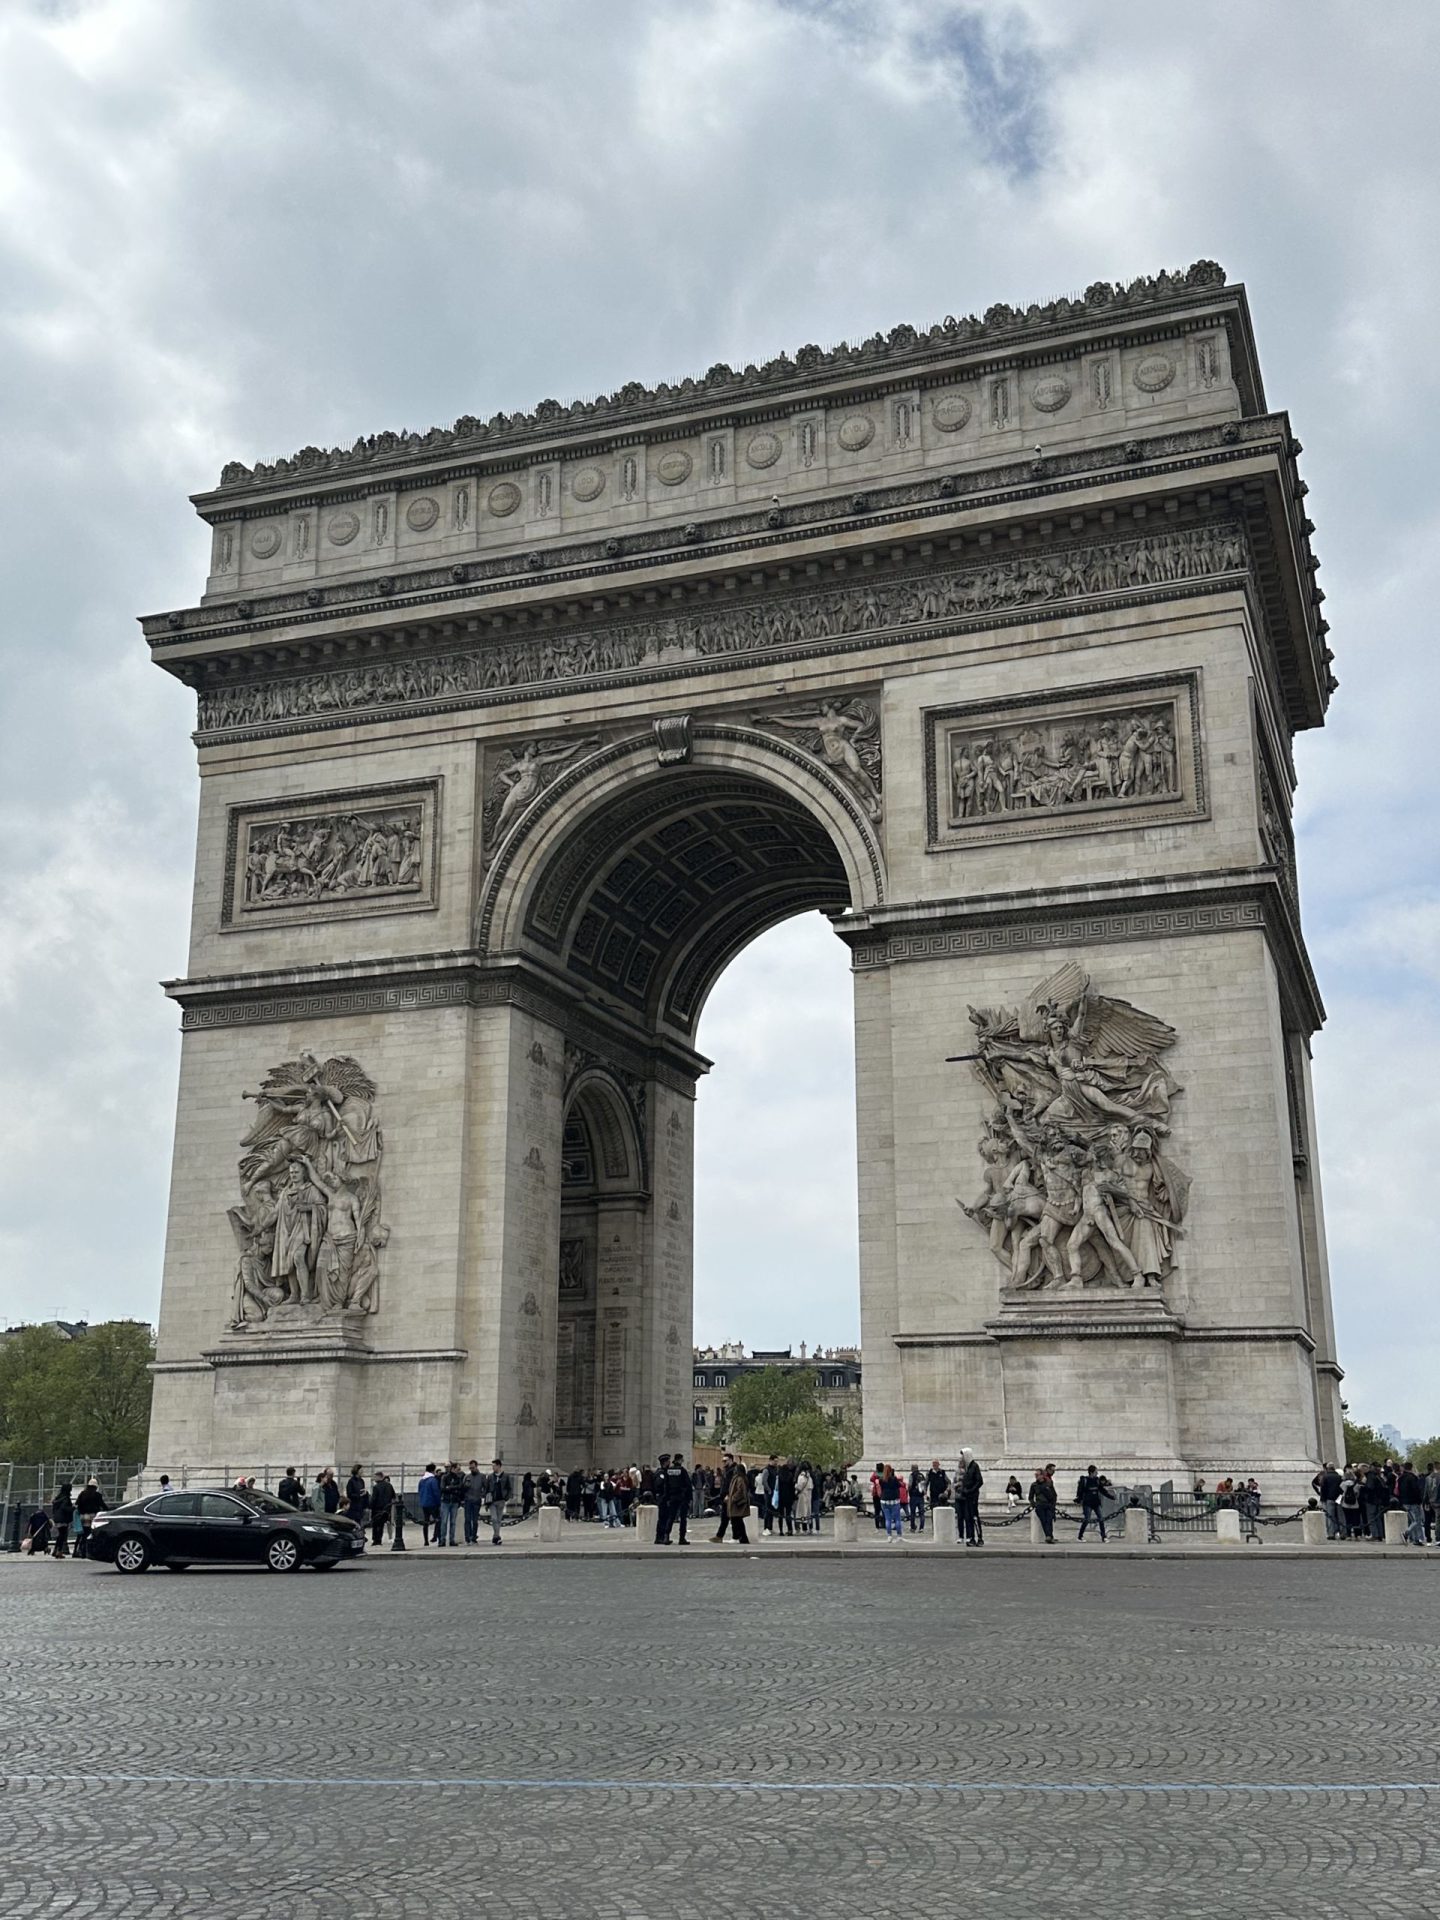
(356, 1497)
(937, 1485)
(88, 1502)
(499, 1491)
(291, 1488)
(1043, 1501)
(1087, 1492)
(673, 1496)
(1410, 1492)
(967, 1500)
(62, 1512)
(915, 1515)
(382, 1503)
(452, 1503)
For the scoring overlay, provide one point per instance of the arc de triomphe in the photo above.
(989, 642)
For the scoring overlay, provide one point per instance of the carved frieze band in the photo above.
(1070, 930)
(332, 856)
(861, 613)
(1127, 753)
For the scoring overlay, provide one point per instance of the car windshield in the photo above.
(265, 1503)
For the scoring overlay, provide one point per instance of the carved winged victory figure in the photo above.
(308, 1228)
(1077, 1190)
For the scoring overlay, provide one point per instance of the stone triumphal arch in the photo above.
(989, 642)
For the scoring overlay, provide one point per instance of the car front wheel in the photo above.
(132, 1554)
(283, 1553)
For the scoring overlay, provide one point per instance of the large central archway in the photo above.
(634, 885)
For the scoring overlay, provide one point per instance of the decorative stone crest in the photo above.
(522, 775)
(845, 735)
(1077, 1188)
(588, 484)
(856, 432)
(674, 467)
(503, 499)
(763, 450)
(264, 542)
(1155, 373)
(308, 1225)
(951, 413)
(421, 514)
(341, 528)
(1051, 393)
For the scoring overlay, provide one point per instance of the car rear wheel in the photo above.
(132, 1554)
(283, 1553)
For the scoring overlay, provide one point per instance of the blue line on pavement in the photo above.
(523, 1785)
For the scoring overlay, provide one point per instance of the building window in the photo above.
(700, 1380)
(700, 1413)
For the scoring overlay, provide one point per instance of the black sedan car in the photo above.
(221, 1524)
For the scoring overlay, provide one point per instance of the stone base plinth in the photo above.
(1312, 1527)
(846, 1531)
(1094, 1313)
(646, 1520)
(551, 1523)
(1396, 1521)
(294, 1333)
(943, 1531)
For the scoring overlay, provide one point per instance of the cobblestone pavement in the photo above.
(711, 1736)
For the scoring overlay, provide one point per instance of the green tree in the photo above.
(1364, 1443)
(778, 1410)
(76, 1399)
(759, 1401)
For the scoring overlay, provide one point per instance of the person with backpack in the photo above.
(1088, 1492)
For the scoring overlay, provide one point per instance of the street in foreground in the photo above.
(583, 1739)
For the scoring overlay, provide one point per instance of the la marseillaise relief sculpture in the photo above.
(988, 641)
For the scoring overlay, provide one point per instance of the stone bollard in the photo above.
(943, 1530)
(1227, 1528)
(1396, 1521)
(551, 1521)
(647, 1517)
(1312, 1527)
(845, 1531)
(1037, 1532)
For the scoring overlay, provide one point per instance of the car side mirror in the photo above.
(248, 1518)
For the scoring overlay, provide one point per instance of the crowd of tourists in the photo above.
(1355, 1500)
(452, 1503)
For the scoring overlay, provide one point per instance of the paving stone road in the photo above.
(707, 1737)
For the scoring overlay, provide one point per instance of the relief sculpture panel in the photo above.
(308, 1228)
(1103, 756)
(1078, 1188)
(330, 856)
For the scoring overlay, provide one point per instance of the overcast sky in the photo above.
(231, 227)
